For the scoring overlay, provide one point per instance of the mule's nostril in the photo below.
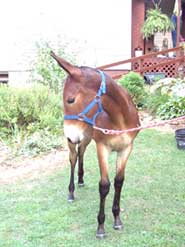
(70, 100)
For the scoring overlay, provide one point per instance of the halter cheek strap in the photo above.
(97, 100)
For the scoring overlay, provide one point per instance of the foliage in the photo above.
(155, 22)
(45, 69)
(35, 212)
(169, 86)
(134, 84)
(154, 101)
(174, 107)
(168, 98)
(38, 142)
(24, 111)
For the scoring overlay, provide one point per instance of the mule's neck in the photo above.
(119, 105)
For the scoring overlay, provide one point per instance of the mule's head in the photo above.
(80, 88)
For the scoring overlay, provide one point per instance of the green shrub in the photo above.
(154, 101)
(8, 110)
(38, 142)
(174, 107)
(167, 98)
(134, 84)
(29, 109)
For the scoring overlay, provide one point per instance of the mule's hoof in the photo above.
(70, 198)
(118, 226)
(100, 234)
(81, 185)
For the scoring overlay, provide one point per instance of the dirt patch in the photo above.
(13, 169)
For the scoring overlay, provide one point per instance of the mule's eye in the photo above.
(70, 100)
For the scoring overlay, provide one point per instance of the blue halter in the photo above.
(97, 100)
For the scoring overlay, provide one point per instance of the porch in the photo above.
(171, 62)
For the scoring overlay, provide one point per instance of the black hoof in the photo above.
(70, 198)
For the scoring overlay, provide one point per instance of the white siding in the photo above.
(99, 32)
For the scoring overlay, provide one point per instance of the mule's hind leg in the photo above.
(73, 158)
(118, 183)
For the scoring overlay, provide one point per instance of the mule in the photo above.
(92, 98)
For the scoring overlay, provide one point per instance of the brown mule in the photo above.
(91, 98)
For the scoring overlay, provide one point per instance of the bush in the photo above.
(174, 107)
(167, 98)
(169, 86)
(134, 84)
(38, 142)
(45, 69)
(29, 109)
(154, 101)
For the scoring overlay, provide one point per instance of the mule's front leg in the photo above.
(73, 159)
(81, 150)
(80, 167)
(118, 183)
(104, 186)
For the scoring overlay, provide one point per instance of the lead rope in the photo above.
(148, 126)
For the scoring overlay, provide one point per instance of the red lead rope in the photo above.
(148, 126)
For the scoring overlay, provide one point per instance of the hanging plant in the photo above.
(155, 22)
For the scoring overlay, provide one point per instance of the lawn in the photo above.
(35, 213)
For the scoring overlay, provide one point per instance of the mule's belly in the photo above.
(118, 143)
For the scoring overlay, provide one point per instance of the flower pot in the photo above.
(180, 138)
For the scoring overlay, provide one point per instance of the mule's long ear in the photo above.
(68, 67)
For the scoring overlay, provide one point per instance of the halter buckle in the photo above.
(81, 117)
(97, 98)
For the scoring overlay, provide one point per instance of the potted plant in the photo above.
(156, 21)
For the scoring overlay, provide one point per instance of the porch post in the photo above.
(178, 23)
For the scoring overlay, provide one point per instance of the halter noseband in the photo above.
(97, 100)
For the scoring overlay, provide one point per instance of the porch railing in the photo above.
(169, 61)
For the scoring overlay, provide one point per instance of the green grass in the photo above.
(35, 213)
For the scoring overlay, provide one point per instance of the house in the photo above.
(99, 33)
(139, 9)
(169, 63)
